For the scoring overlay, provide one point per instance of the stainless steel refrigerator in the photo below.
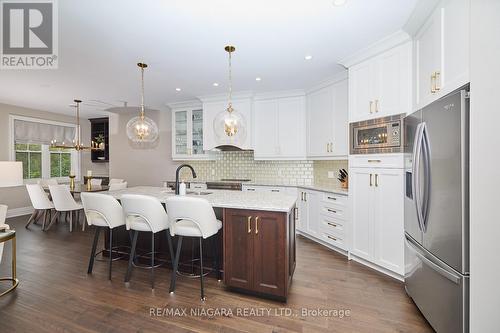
(437, 211)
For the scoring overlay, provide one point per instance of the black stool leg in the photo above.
(176, 263)
(132, 255)
(152, 260)
(217, 261)
(110, 252)
(170, 247)
(92, 252)
(201, 269)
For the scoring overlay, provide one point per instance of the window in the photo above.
(31, 156)
(30, 144)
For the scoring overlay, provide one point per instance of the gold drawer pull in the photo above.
(371, 179)
(374, 161)
(332, 224)
(371, 104)
(249, 224)
(257, 225)
(332, 238)
(376, 105)
(332, 198)
(437, 81)
(331, 210)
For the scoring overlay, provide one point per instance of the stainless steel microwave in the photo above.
(377, 136)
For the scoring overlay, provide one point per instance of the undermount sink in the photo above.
(198, 192)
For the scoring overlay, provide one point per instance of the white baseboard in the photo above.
(376, 267)
(19, 211)
(319, 241)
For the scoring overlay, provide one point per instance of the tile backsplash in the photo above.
(241, 165)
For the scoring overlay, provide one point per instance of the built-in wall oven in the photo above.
(377, 136)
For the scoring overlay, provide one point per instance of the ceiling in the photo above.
(183, 41)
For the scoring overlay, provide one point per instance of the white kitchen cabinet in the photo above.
(442, 52)
(327, 121)
(381, 85)
(377, 196)
(279, 128)
(308, 204)
(212, 106)
(187, 134)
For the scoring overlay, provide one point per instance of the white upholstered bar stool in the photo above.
(104, 212)
(192, 217)
(64, 202)
(41, 204)
(117, 186)
(145, 214)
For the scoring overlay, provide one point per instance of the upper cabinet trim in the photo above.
(420, 14)
(389, 42)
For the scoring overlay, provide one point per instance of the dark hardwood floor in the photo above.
(55, 294)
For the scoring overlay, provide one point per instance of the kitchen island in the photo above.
(258, 238)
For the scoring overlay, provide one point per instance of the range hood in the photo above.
(230, 148)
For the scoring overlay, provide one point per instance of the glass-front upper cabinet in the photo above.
(187, 133)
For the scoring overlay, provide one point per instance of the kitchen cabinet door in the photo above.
(180, 133)
(389, 217)
(393, 82)
(361, 193)
(291, 127)
(319, 121)
(428, 58)
(266, 126)
(238, 248)
(312, 200)
(361, 95)
(303, 212)
(270, 244)
(339, 135)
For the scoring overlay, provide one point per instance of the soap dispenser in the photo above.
(182, 188)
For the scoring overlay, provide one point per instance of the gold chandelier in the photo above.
(77, 144)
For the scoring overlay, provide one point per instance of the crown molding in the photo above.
(279, 94)
(192, 103)
(328, 82)
(389, 42)
(223, 97)
(422, 10)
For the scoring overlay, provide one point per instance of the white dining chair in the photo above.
(3, 215)
(40, 202)
(117, 186)
(145, 214)
(96, 181)
(64, 202)
(192, 217)
(104, 212)
(116, 180)
(47, 181)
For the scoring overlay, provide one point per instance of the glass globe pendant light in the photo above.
(141, 128)
(229, 124)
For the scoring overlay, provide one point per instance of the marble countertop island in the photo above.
(275, 202)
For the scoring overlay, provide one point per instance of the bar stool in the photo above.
(192, 217)
(40, 202)
(145, 214)
(103, 211)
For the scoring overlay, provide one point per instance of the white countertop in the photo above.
(268, 201)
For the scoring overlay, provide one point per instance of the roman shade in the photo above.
(42, 133)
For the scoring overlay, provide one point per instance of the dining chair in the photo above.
(104, 212)
(117, 186)
(40, 202)
(116, 180)
(96, 181)
(64, 202)
(145, 214)
(192, 217)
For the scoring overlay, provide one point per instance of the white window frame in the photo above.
(75, 156)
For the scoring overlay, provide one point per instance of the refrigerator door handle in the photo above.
(417, 149)
(426, 148)
(450, 276)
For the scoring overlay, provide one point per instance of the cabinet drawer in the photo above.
(332, 226)
(335, 199)
(335, 212)
(334, 240)
(390, 161)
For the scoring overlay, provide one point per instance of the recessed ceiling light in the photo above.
(258, 79)
(215, 84)
(339, 2)
(177, 89)
(308, 57)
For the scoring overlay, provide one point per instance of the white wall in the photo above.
(148, 165)
(484, 167)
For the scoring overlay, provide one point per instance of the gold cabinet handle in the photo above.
(376, 180)
(331, 210)
(249, 224)
(305, 196)
(257, 225)
(370, 179)
(371, 103)
(332, 238)
(296, 213)
(332, 198)
(437, 81)
(374, 161)
(332, 224)
(433, 83)
(327, 147)
(376, 105)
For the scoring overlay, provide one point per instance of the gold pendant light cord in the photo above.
(78, 134)
(230, 107)
(142, 93)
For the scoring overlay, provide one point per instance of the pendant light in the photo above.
(229, 124)
(77, 144)
(141, 128)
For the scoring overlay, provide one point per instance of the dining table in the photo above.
(81, 188)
